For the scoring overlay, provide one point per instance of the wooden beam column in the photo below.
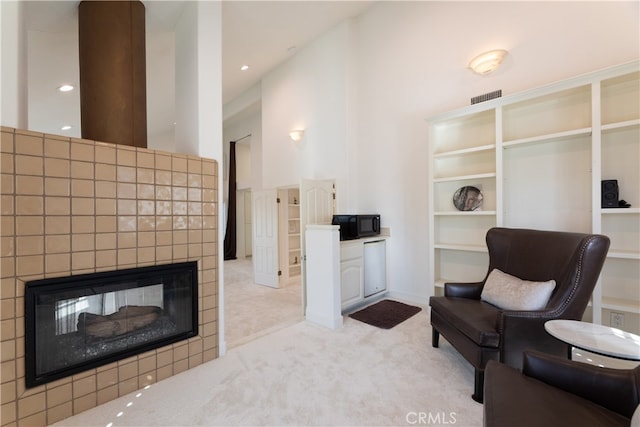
(113, 95)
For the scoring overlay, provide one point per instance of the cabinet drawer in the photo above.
(350, 251)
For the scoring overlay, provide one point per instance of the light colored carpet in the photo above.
(280, 370)
(307, 375)
(254, 310)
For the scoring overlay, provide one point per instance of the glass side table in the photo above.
(595, 338)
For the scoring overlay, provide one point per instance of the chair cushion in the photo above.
(474, 318)
(511, 398)
(512, 293)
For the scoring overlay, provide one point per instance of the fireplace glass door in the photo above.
(81, 322)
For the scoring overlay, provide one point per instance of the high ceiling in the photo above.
(261, 34)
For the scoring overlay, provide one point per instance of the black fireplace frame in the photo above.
(135, 277)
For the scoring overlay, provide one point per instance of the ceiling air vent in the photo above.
(486, 96)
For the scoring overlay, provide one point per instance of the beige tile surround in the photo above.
(73, 206)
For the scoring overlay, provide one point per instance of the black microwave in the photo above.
(357, 226)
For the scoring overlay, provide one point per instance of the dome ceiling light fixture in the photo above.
(488, 61)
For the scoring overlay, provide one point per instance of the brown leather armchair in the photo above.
(553, 391)
(482, 332)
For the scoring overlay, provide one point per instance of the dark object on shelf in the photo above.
(554, 391)
(623, 204)
(467, 198)
(482, 332)
(609, 194)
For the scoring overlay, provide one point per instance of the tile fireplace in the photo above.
(72, 207)
(81, 322)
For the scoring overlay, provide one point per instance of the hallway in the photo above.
(252, 310)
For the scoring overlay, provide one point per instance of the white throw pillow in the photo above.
(511, 293)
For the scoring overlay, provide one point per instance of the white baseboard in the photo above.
(322, 320)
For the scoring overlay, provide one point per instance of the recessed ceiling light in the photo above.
(244, 68)
(65, 88)
(65, 127)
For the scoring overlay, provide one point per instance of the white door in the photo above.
(317, 206)
(265, 237)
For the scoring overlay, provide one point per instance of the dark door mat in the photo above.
(385, 314)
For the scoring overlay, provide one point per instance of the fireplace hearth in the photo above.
(81, 322)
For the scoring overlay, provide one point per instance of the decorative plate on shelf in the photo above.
(467, 198)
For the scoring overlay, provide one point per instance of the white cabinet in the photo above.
(374, 259)
(351, 282)
(323, 275)
(354, 259)
(538, 158)
(351, 273)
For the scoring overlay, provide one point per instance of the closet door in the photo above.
(265, 237)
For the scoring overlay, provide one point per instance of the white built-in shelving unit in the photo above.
(289, 226)
(539, 158)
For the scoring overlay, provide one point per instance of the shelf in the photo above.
(294, 219)
(457, 247)
(621, 125)
(465, 213)
(548, 116)
(620, 211)
(465, 151)
(626, 305)
(466, 177)
(547, 138)
(623, 254)
(619, 98)
(467, 132)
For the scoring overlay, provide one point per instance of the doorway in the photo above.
(253, 310)
(244, 241)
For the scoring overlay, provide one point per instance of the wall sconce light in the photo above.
(487, 62)
(297, 134)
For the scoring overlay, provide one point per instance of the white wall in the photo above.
(248, 150)
(363, 91)
(198, 103)
(161, 74)
(307, 92)
(13, 65)
(186, 68)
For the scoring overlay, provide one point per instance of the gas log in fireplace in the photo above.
(81, 322)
